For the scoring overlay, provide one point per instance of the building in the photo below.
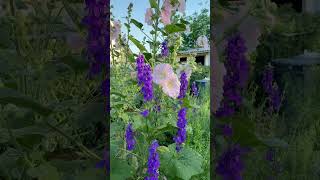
(202, 55)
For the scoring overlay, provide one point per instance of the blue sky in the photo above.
(139, 8)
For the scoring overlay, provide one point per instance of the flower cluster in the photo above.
(130, 138)
(144, 76)
(98, 37)
(153, 162)
(164, 49)
(194, 89)
(183, 85)
(164, 76)
(145, 113)
(168, 8)
(237, 75)
(271, 89)
(230, 165)
(182, 132)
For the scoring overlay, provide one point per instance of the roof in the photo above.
(194, 50)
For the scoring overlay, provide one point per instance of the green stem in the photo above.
(82, 147)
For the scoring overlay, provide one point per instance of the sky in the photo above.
(119, 11)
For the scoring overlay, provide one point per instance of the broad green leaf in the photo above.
(14, 97)
(147, 56)
(173, 28)
(120, 169)
(137, 23)
(138, 44)
(184, 164)
(44, 172)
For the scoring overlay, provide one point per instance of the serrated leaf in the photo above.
(173, 28)
(137, 23)
(138, 44)
(120, 169)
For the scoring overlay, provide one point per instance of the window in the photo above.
(200, 59)
(183, 59)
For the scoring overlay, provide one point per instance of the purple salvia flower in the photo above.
(105, 162)
(130, 138)
(183, 85)
(98, 36)
(145, 113)
(182, 131)
(230, 165)
(164, 49)
(236, 78)
(194, 89)
(153, 162)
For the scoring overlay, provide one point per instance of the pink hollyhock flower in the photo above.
(148, 16)
(184, 68)
(161, 73)
(166, 12)
(115, 31)
(171, 87)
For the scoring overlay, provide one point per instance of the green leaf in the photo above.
(184, 164)
(173, 28)
(14, 97)
(73, 14)
(120, 169)
(153, 4)
(147, 56)
(44, 172)
(137, 23)
(138, 44)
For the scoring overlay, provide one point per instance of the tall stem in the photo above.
(155, 37)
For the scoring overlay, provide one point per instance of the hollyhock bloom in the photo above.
(194, 89)
(230, 165)
(171, 87)
(130, 138)
(164, 49)
(161, 73)
(105, 162)
(166, 12)
(115, 31)
(184, 68)
(145, 113)
(148, 16)
(98, 37)
(183, 85)
(235, 80)
(153, 162)
(182, 131)
(271, 89)
(182, 6)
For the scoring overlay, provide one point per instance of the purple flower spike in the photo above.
(130, 138)
(144, 76)
(164, 49)
(230, 165)
(153, 162)
(97, 38)
(183, 85)
(182, 132)
(236, 78)
(145, 113)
